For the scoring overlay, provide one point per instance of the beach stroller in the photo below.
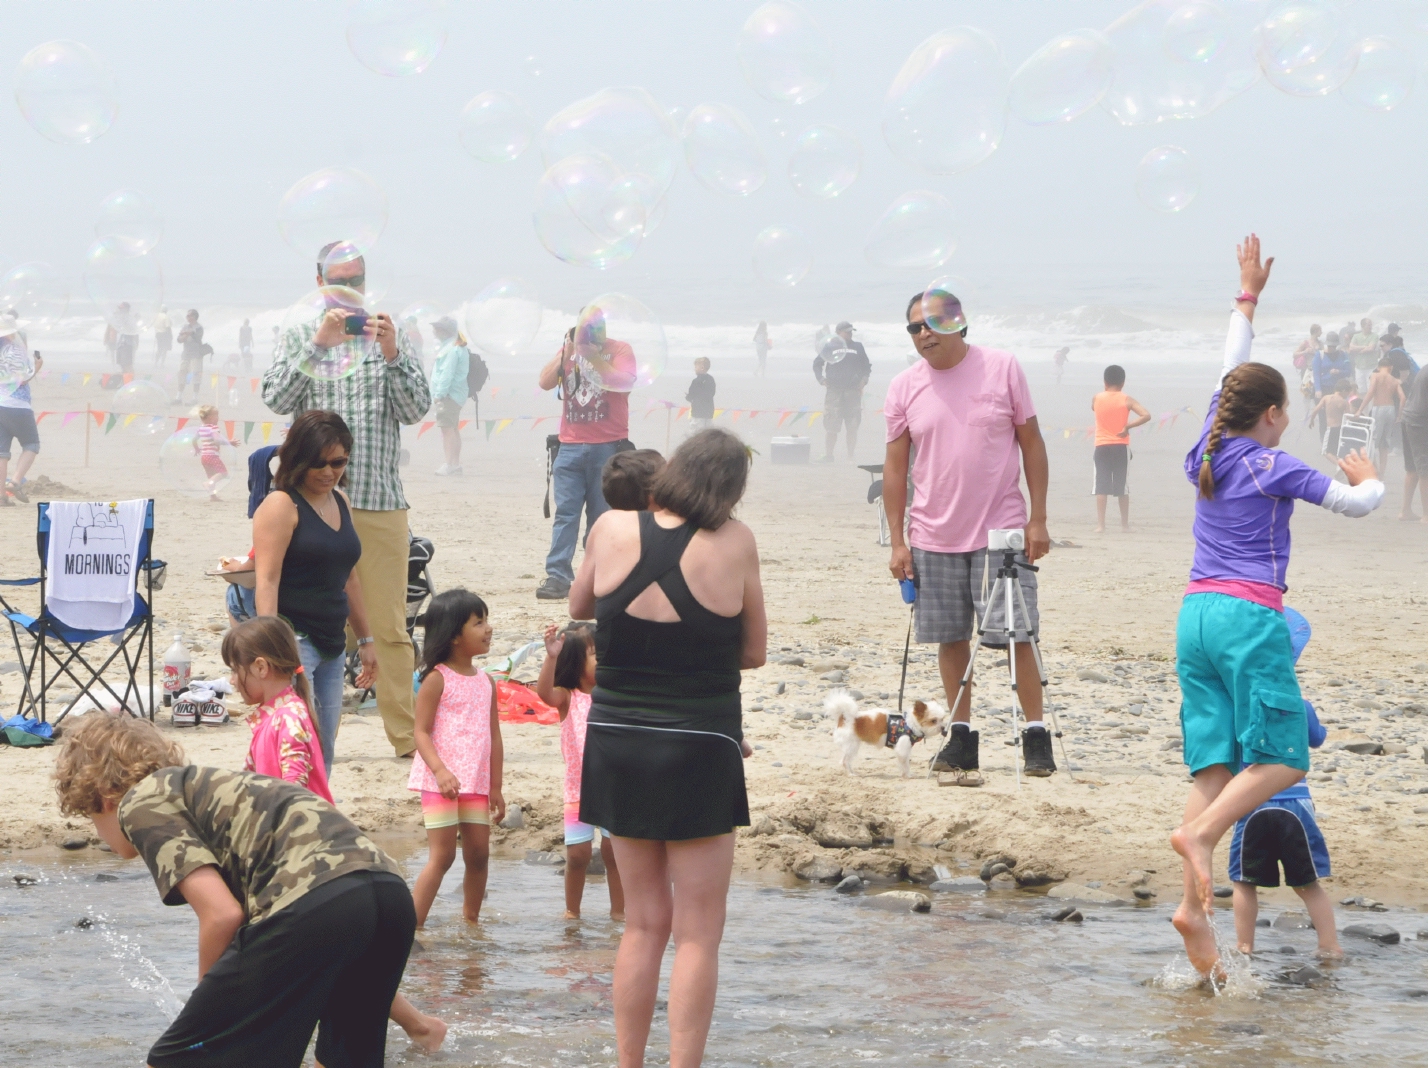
(420, 589)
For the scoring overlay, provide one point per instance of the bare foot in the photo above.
(1331, 952)
(1408, 517)
(1199, 856)
(571, 915)
(1100, 530)
(618, 917)
(1194, 926)
(429, 1034)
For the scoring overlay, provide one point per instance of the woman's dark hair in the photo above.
(570, 663)
(704, 479)
(310, 436)
(271, 638)
(448, 612)
(1248, 391)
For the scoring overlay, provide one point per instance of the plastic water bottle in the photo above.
(178, 669)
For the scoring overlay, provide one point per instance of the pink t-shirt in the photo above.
(284, 744)
(591, 415)
(967, 471)
(572, 743)
(461, 734)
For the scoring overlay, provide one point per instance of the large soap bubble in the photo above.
(1305, 48)
(1383, 75)
(66, 92)
(723, 151)
(1167, 179)
(348, 342)
(38, 293)
(495, 127)
(942, 305)
(1196, 31)
(586, 213)
(784, 55)
(625, 336)
(1152, 83)
(626, 126)
(126, 286)
(396, 37)
(196, 468)
(945, 112)
(656, 207)
(782, 256)
(1066, 77)
(333, 204)
(146, 401)
(917, 230)
(503, 318)
(825, 161)
(130, 219)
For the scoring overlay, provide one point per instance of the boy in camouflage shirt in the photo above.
(302, 921)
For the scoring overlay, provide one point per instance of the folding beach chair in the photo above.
(54, 655)
(1355, 433)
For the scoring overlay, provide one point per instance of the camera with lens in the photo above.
(1006, 541)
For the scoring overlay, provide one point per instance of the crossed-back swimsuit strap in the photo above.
(661, 550)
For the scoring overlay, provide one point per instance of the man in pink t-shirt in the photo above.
(595, 375)
(965, 413)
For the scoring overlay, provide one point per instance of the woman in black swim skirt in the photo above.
(680, 613)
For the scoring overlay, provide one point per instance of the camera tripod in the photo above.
(1006, 589)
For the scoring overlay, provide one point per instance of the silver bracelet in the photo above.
(365, 641)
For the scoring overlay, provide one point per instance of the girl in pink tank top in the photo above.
(566, 680)
(457, 768)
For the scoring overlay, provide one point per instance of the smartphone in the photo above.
(356, 324)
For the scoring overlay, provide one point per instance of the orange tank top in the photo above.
(1112, 413)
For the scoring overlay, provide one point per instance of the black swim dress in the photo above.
(662, 758)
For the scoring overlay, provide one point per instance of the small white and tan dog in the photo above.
(882, 729)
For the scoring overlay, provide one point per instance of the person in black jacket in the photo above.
(843, 369)
(701, 397)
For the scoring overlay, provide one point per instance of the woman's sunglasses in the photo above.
(337, 464)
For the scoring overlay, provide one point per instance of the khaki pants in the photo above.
(382, 570)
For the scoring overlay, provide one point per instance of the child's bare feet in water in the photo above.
(618, 917)
(429, 1034)
(1193, 923)
(571, 915)
(1199, 855)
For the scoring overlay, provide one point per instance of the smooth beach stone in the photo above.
(966, 884)
(1078, 892)
(1381, 933)
(900, 901)
(850, 885)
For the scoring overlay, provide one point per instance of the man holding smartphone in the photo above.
(386, 391)
(966, 411)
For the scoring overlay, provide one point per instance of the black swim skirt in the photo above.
(668, 776)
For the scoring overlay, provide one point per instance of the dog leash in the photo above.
(909, 597)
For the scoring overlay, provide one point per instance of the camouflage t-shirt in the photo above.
(273, 841)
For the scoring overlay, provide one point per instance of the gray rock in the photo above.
(817, 869)
(84, 923)
(1240, 1029)
(779, 689)
(1288, 949)
(1069, 914)
(834, 676)
(776, 764)
(537, 856)
(1381, 933)
(1365, 748)
(1092, 675)
(24, 879)
(763, 825)
(75, 843)
(791, 661)
(823, 667)
(856, 695)
(1224, 891)
(1263, 921)
(756, 708)
(803, 714)
(997, 869)
(1291, 921)
(1078, 892)
(900, 901)
(1005, 859)
(1002, 881)
(515, 819)
(965, 884)
(851, 884)
(1143, 893)
(1308, 975)
(105, 877)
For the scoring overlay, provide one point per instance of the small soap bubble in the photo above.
(723, 151)
(1297, 34)
(945, 112)
(396, 38)
(825, 161)
(532, 66)
(195, 468)
(625, 338)
(66, 92)
(784, 55)
(1167, 179)
(1196, 32)
(504, 318)
(333, 204)
(588, 213)
(781, 256)
(942, 305)
(37, 292)
(495, 127)
(130, 219)
(339, 341)
(916, 230)
(145, 399)
(1065, 78)
(1383, 75)
(126, 286)
(625, 126)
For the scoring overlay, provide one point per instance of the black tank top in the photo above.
(690, 665)
(312, 593)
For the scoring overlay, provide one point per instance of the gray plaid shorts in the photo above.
(949, 597)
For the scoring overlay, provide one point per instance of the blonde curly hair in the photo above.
(104, 756)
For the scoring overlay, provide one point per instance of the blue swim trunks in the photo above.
(1240, 700)
(1279, 832)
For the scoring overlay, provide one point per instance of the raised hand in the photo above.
(1253, 275)
(1357, 467)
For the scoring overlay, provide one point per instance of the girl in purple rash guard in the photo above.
(1240, 700)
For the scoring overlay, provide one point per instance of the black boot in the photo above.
(1036, 757)
(960, 752)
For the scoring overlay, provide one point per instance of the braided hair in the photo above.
(1247, 392)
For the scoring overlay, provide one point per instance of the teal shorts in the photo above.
(1239, 697)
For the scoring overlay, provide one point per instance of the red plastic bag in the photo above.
(517, 703)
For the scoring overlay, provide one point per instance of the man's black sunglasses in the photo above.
(916, 328)
(356, 281)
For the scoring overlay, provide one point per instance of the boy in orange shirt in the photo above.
(1113, 408)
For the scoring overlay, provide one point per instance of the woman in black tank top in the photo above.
(663, 773)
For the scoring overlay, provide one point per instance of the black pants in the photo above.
(332, 959)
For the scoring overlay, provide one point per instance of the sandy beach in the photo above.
(1108, 610)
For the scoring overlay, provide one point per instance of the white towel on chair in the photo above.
(93, 562)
